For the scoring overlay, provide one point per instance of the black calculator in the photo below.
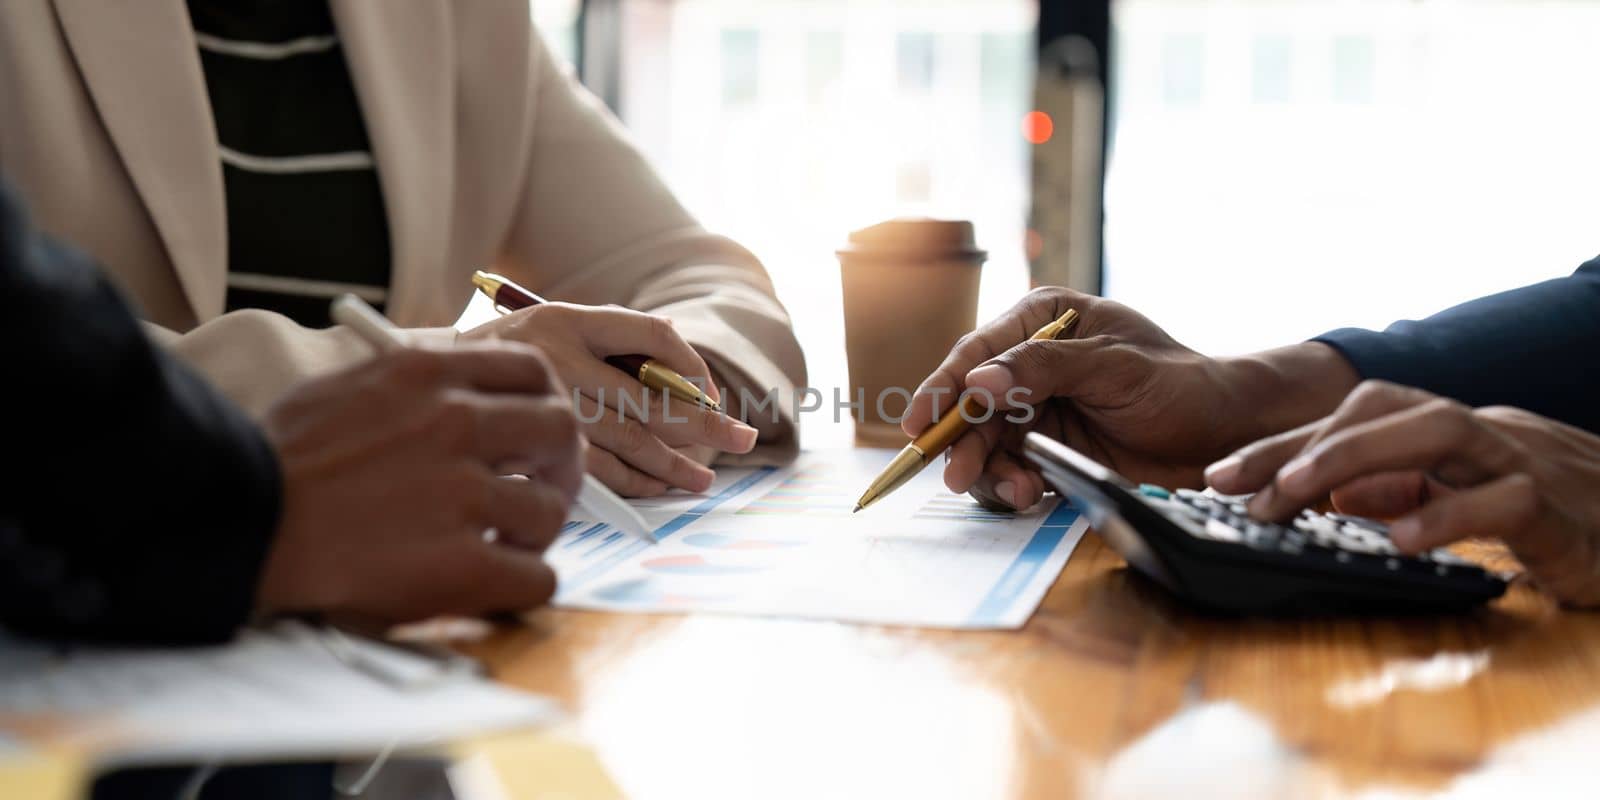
(1207, 550)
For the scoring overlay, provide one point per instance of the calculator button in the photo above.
(1187, 511)
(1377, 548)
(1447, 557)
(1262, 536)
(1227, 498)
(1365, 541)
(1152, 490)
(1320, 530)
(1175, 510)
(1222, 532)
(1361, 522)
(1364, 533)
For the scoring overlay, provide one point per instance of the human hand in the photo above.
(1119, 389)
(1448, 472)
(639, 440)
(392, 473)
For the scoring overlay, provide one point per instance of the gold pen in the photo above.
(939, 436)
(510, 297)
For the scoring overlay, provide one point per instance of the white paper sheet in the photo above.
(285, 692)
(783, 542)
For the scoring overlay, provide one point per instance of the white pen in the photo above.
(601, 503)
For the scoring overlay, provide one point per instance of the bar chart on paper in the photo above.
(782, 542)
(960, 509)
(812, 492)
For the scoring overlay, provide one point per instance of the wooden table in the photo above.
(1110, 690)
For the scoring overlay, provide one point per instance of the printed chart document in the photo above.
(277, 693)
(776, 541)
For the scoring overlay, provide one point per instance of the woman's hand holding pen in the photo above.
(1121, 390)
(1446, 472)
(641, 445)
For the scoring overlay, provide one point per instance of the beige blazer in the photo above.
(488, 155)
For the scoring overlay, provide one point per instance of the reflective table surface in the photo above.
(1111, 690)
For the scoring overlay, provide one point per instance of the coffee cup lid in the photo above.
(916, 238)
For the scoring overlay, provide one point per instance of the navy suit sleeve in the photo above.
(136, 504)
(1537, 348)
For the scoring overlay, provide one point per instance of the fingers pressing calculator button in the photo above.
(1205, 547)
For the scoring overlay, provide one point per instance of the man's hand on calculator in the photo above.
(1446, 472)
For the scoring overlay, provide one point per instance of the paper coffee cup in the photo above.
(910, 291)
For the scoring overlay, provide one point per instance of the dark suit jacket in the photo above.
(1537, 348)
(135, 503)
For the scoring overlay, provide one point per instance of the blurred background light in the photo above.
(1284, 167)
(788, 123)
(1037, 127)
(1277, 168)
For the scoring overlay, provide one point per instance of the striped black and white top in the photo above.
(306, 219)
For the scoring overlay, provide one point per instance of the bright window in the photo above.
(1284, 167)
(788, 123)
(557, 20)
